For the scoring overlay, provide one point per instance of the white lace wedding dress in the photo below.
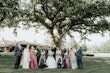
(51, 63)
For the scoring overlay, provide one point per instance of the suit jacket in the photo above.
(63, 51)
(46, 52)
(18, 51)
(38, 52)
(79, 53)
(54, 49)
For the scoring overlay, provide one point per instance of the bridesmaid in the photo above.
(26, 58)
(33, 61)
(67, 59)
(73, 58)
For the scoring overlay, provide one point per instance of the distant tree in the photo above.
(84, 47)
(94, 48)
(71, 43)
(62, 16)
(105, 46)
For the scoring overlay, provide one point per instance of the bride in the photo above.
(51, 63)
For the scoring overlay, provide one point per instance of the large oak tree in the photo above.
(62, 16)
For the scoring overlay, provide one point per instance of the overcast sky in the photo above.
(30, 35)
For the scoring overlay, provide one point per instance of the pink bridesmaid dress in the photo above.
(67, 61)
(33, 61)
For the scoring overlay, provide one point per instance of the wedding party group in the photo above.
(47, 57)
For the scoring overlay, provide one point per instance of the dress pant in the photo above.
(17, 61)
(79, 63)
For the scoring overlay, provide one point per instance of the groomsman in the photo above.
(42, 62)
(18, 53)
(46, 52)
(38, 53)
(79, 57)
(63, 52)
(54, 51)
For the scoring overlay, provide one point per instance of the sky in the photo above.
(31, 36)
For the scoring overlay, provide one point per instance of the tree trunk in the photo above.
(57, 41)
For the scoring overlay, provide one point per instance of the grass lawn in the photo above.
(91, 65)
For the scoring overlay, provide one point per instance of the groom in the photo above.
(79, 57)
(18, 52)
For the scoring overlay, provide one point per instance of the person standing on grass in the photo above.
(26, 58)
(42, 60)
(38, 54)
(59, 57)
(79, 57)
(33, 60)
(67, 59)
(73, 61)
(51, 63)
(18, 53)
(54, 51)
(63, 52)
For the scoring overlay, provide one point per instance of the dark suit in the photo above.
(46, 53)
(63, 52)
(54, 50)
(18, 52)
(79, 58)
(38, 54)
(42, 62)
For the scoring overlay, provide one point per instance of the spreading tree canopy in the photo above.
(59, 17)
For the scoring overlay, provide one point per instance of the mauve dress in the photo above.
(67, 61)
(33, 62)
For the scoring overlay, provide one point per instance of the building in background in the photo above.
(8, 46)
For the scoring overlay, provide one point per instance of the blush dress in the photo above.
(33, 60)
